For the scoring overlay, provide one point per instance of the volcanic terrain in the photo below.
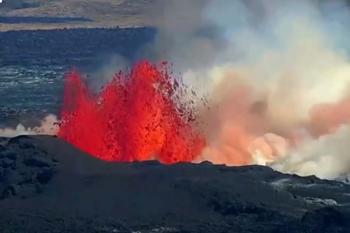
(47, 185)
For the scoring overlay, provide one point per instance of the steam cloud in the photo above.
(276, 74)
(48, 126)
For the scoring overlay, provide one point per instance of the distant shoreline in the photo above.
(64, 14)
(52, 26)
(41, 19)
(80, 28)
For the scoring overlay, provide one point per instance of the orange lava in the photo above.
(137, 116)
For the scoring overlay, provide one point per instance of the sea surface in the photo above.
(33, 65)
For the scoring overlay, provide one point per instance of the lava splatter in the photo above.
(139, 115)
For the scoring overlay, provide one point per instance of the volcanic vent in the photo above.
(139, 115)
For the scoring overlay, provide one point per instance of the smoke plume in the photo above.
(276, 75)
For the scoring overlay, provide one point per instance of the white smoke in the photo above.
(265, 67)
(48, 126)
(325, 157)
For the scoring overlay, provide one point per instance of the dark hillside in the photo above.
(44, 189)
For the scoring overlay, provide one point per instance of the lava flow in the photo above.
(137, 116)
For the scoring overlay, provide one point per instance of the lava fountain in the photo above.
(139, 115)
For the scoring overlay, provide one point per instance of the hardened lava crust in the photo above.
(46, 185)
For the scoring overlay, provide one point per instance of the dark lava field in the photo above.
(47, 186)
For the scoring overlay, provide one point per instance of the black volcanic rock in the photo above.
(47, 185)
(24, 168)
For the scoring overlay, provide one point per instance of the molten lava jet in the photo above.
(137, 116)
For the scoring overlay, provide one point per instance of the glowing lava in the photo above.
(137, 116)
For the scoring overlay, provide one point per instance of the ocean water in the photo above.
(33, 65)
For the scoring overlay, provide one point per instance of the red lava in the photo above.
(137, 116)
